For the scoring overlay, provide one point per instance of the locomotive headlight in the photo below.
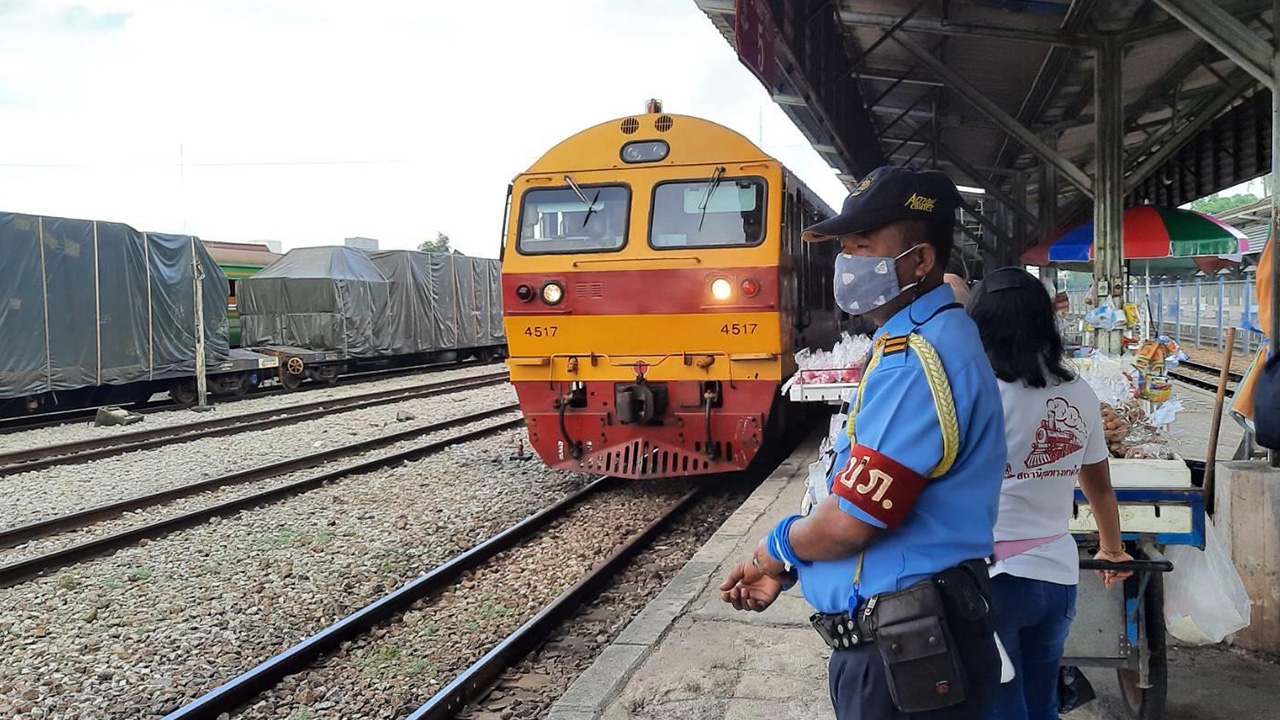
(552, 293)
(721, 289)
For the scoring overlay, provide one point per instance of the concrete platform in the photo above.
(689, 655)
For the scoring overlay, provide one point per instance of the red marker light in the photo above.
(524, 293)
(750, 287)
(641, 367)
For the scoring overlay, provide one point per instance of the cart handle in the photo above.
(1139, 566)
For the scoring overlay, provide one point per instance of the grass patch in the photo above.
(137, 574)
(496, 610)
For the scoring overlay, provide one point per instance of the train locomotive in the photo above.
(655, 289)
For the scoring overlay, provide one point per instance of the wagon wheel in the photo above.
(327, 374)
(183, 391)
(291, 371)
(1149, 703)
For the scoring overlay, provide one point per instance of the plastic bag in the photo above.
(1204, 598)
(841, 364)
(1166, 413)
(819, 470)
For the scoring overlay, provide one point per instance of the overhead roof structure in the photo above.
(994, 90)
(1057, 109)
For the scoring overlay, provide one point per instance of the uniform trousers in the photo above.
(860, 690)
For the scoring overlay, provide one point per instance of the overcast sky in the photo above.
(307, 121)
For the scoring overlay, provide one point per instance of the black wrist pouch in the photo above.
(921, 660)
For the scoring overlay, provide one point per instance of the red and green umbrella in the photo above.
(1149, 232)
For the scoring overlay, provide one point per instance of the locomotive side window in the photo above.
(719, 212)
(557, 220)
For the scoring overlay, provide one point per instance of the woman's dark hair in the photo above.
(1015, 318)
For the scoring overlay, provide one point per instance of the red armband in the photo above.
(882, 487)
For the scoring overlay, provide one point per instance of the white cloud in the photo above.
(308, 121)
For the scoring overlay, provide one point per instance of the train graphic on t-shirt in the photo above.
(1060, 434)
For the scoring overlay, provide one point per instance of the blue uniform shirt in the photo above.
(953, 516)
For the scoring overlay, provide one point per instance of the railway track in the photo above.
(20, 570)
(96, 448)
(147, 407)
(467, 684)
(1204, 376)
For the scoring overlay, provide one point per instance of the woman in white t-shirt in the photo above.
(1053, 426)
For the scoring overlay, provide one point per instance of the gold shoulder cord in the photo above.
(943, 402)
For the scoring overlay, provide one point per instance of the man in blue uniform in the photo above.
(893, 559)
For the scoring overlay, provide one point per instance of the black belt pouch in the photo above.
(921, 660)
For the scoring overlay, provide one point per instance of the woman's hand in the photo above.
(1111, 577)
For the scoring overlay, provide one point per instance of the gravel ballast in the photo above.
(135, 634)
(399, 666)
(61, 489)
(41, 437)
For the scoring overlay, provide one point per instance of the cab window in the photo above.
(728, 212)
(556, 220)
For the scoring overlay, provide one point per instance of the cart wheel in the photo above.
(1149, 703)
(183, 391)
(288, 379)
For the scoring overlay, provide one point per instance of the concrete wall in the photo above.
(1248, 496)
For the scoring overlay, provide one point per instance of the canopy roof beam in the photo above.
(937, 26)
(1007, 122)
(1230, 36)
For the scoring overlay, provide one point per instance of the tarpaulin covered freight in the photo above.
(86, 303)
(441, 301)
(323, 298)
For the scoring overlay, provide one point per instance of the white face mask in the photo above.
(864, 283)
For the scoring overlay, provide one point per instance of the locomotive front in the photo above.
(647, 297)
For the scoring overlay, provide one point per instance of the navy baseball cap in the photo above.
(888, 194)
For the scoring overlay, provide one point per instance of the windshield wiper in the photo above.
(714, 182)
(591, 204)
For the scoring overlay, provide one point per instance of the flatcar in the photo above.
(655, 289)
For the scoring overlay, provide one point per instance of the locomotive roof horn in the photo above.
(653, 106)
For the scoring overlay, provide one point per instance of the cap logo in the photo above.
(862, 186)
(921, 203)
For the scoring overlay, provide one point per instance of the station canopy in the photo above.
(1003, 96)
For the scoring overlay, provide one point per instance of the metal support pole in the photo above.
(1108, 206)
(197, 281)
(1199, 307)
(1274, 330)
(1177, 306)
(1222, 300)
(1048, 219)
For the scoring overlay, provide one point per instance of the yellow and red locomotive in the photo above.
(655, 289)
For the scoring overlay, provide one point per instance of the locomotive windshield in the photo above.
(727, 212)
(559, 220)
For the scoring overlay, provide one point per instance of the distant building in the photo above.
(361, 243)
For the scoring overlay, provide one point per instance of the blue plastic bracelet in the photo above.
(779, 544)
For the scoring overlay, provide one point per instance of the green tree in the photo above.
(1218, 203)
(440, 245)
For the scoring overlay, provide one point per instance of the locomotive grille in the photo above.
(639, 458)
(663, 123)
(630, 125)
(584, 290)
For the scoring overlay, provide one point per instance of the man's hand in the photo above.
(1111, 577)
(747, 588)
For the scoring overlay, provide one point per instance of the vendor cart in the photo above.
(1161, 504)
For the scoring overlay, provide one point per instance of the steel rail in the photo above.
(471, 682)
(270, 672)
(55, 418)
(96, 448)
(19, 534)
(15, 572)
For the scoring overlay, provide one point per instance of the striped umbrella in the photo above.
(1149, 232)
